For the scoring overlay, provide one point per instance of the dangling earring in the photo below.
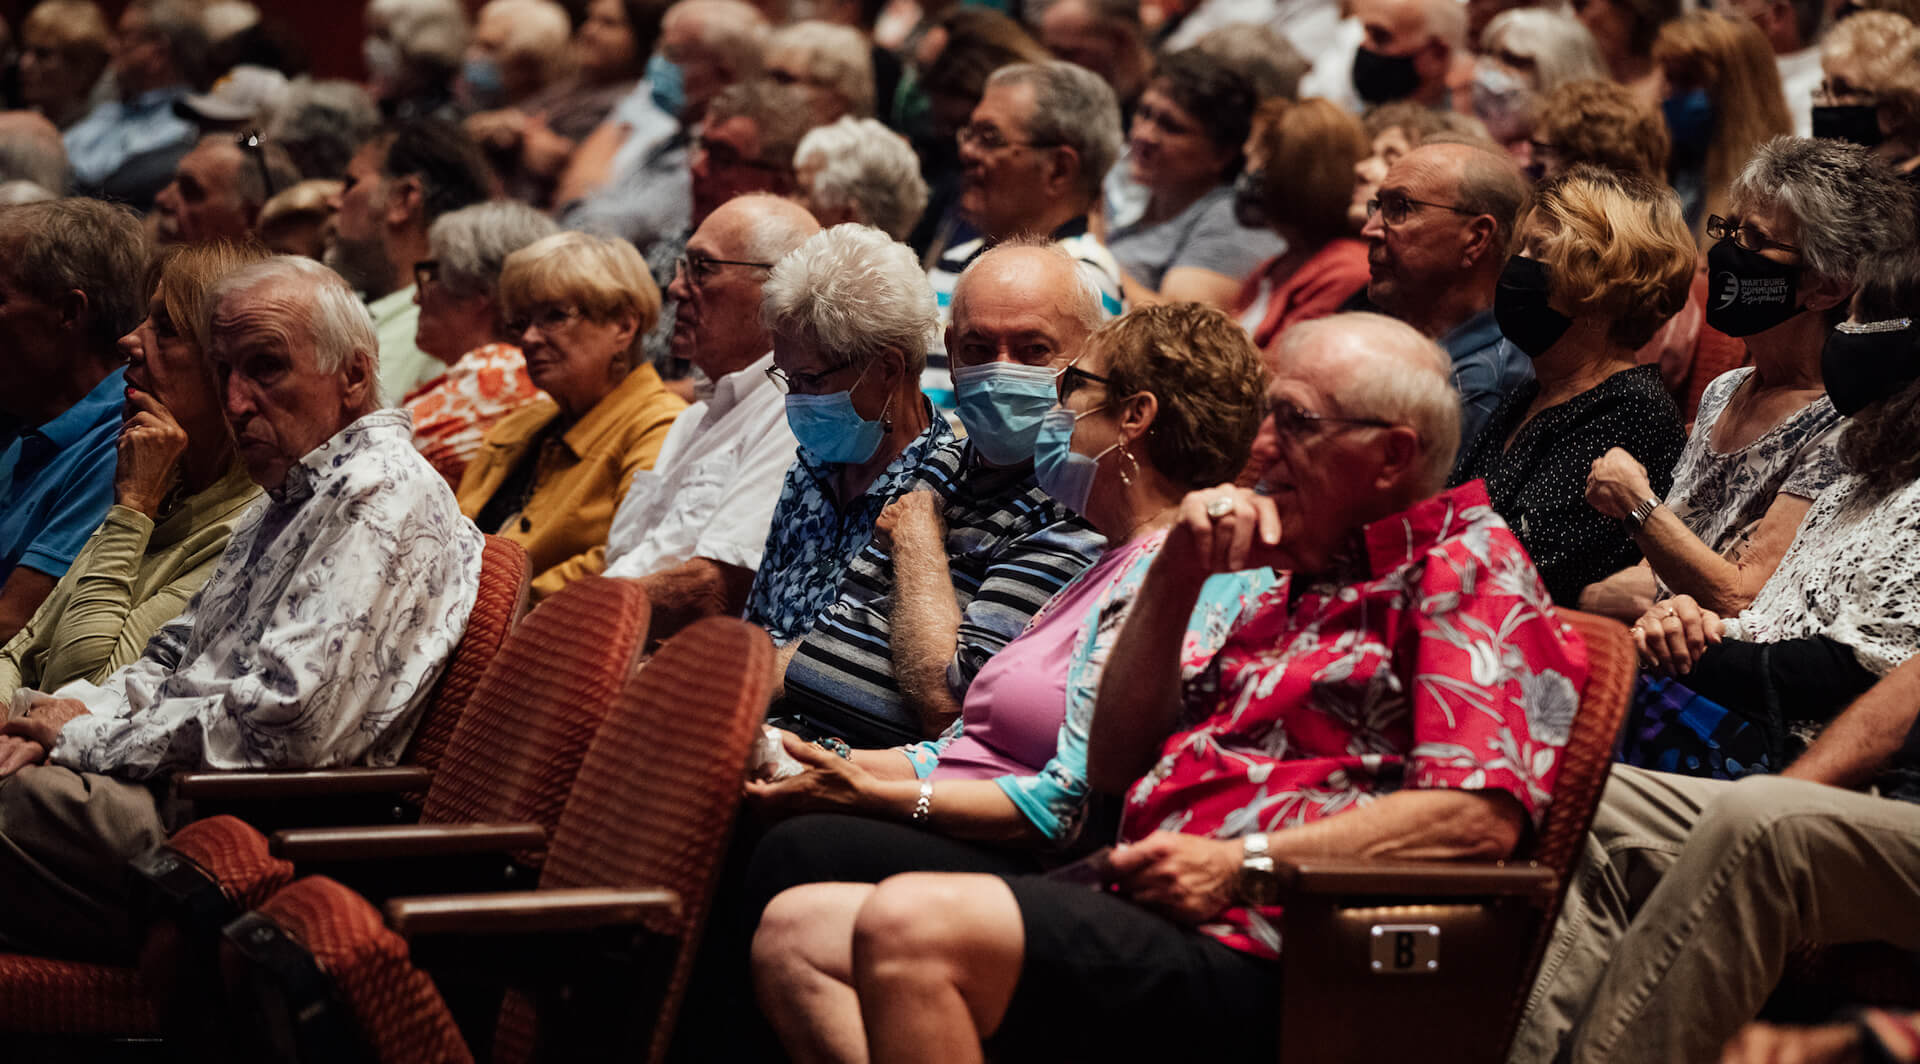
(1122, 470)
(886, 417)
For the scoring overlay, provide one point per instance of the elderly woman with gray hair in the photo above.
(851, 315)
(460, 324)
(1525, 54)
(857, 170)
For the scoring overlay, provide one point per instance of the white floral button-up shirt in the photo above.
(319, 636)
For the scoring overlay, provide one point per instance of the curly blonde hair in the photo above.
(1207, 378)
(1618, 247)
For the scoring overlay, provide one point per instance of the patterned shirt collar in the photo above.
(309, 473)
(1395, 542)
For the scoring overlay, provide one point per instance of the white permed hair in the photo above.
(837, 58)
(856, 293)
(472, 243)
(335, 317)
(1561, 47)
(866, 166)
(432, 32)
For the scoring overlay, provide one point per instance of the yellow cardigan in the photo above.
(580, 479)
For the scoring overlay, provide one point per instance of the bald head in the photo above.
(31, 150)
(1039, 274)
(1378, 367)
(1436, 266)
(716, 317)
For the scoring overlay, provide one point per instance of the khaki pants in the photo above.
(65, 840)
(1688, 898)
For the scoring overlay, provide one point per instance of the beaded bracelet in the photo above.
(835, 746)
(923, 806)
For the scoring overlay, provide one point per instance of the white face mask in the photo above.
(382, 57)
(1501, 99)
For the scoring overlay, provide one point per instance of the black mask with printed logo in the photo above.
(1521, 307)
(1383, 78)
(1747, 292)
(1854, 123)
(1861, 368)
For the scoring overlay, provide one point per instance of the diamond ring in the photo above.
(1221, 506)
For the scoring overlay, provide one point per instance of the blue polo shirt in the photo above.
(56, 481)
(1486, 369)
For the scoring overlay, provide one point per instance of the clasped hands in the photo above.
(1673, 634)
(25, 740)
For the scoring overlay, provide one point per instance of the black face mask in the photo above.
(1250, 199)
(1747, 292)
(1383, 78)
(1855, 123)
(1861, 368)
(1521, 307)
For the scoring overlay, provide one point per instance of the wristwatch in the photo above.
(1258, 884)
(1637, 517)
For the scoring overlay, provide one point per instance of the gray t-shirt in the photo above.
(1204, 236)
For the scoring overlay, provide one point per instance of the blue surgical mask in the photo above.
(669, 85)
(1063, 472)
(484, 82)
(1002, 404)
(831, 430)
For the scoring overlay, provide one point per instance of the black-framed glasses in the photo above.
(1290, 420)
(720, 153)
(426, 272)
(987, 137)
(1744, 235)
(699, 267)
(254, 143)
(548, 319)
(1394, 208)
(807, 383)
(1071, 379)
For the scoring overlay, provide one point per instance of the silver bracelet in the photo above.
(923, 806)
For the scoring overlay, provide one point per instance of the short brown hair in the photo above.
(1732, 60)
(1311, 148)
(1619, 248)
(1601, 123)
(1207, 378)
(184, 277)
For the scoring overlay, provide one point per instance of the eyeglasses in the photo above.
(1071, 379)
(548, 319)
(720, 153)
(807, 383)
(426, 272)
(1745, 236)
(1395, 209)
(699, 267)
(254, 143)
(1290, 420)
(987, 137)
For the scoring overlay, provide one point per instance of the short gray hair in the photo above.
(1084, 304)
(856, 293)
(538, 30)
(775, 227)
(31, 150)
(734, 31)
(1849, 204)
(1399, 392)
(1561, 46)
(472, 243)
(837, 58)
(1073, 107)
(322, 123)
(85, 245)
(427, 32)
(868, 167)
(1269, 62)
(334, 315)
(178, 23)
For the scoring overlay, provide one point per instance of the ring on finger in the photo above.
(1221, 506)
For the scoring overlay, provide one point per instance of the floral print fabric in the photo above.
(1434, 660)
(452, 412)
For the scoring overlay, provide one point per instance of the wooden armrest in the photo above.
(313, 783)
(529, 911)
(389, 841)
(1396, 878)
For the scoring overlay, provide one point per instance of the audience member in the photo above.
(851, 316)
(321, 125)
(158, 49)
(1411, 50)
(397, 185)
(70, 286)
(976, 543)
(244, 97)
(1189, 130)
(518, 48)
(1232, 768)
(1393, 130)
(64, 45)
(30, 150)
(1723, 101)
(179, 491)
(1525, 53)
(1626, 31)
(413, 50)
(1437, 234)
(550, 474)
(461, 325)
(692, 528)
(314, 644)
(1104, 36)
(1298, 182)
(1764, 445)
(294, 221)
(1871, 95)
(1601, 262)
(857, 170)
(219, 188)
(1269, 62)
(1598, 123)
(831, 66)
(1839, 611)
(532, 143)
(1792, 29)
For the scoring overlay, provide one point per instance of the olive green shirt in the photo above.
(131, 577)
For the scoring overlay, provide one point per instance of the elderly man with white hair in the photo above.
(314, 644)
(1256, 757)
(857, 170)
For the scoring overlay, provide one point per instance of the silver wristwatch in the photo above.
(1258, 883)
(1637, 517)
